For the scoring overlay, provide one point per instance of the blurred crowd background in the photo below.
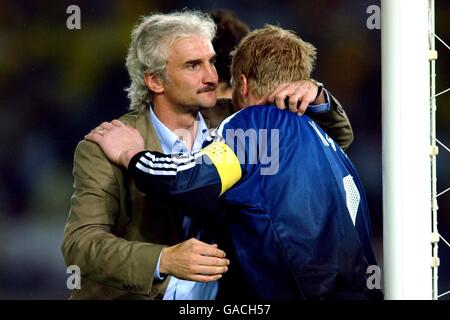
(57, 84)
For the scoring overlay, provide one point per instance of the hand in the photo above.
(298, 94)
(194, 260)
(118, 141)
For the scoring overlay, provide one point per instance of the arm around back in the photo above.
(335, 123)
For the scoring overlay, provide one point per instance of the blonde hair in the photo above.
(150, 39)
(270, 56)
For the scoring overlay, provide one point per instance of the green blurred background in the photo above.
(56, 84)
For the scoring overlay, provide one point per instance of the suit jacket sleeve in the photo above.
(89, 241)
(335, 123)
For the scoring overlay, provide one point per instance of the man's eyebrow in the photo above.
(193, 61)
(196, 61)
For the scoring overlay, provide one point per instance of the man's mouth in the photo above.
(207, 89)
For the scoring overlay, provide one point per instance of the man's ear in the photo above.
(244, 85)
(153, 83)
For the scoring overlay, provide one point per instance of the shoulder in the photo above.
(90, 160)
(91, 167)
(131, 118)
(89, 153)
(260, 116)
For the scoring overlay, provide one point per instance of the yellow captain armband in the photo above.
(226, 163)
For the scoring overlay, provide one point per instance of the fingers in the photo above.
(280, 100)
(202, 273)
(278, 90)
(209, 251)
(208, 254)
(205, 249)
(202, 278)
(302, 108)
(117, 123)
(211, 261)
(106, 125)
(93, 136)
(294, 96)
(102, 128)
(291, 98)
(194, 260)
(293, 102)
(109, 125)
(208, 270)
(134, 131)
(99, 131)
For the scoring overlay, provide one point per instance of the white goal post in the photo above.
(407, 222)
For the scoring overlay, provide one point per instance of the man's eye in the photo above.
(193, 66)
(213, 61)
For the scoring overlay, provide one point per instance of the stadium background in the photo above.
(56, 84)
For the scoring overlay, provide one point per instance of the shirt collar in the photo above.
(169, 140)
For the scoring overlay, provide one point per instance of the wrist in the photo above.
(126, 156)
(321, 99)
(320, 96)
(163, 269)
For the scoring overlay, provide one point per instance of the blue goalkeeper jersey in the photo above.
(296, 209)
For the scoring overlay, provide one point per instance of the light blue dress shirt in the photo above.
(178, 289)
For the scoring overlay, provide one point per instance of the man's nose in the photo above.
(210, 75)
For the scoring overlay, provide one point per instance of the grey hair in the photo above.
(150, 40)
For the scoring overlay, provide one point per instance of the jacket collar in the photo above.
(146, 129)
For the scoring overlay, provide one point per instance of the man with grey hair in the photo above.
(133, 246)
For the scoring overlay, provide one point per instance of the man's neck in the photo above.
(184, 124)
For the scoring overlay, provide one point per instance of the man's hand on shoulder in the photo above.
(296, 96)
(118, 141)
